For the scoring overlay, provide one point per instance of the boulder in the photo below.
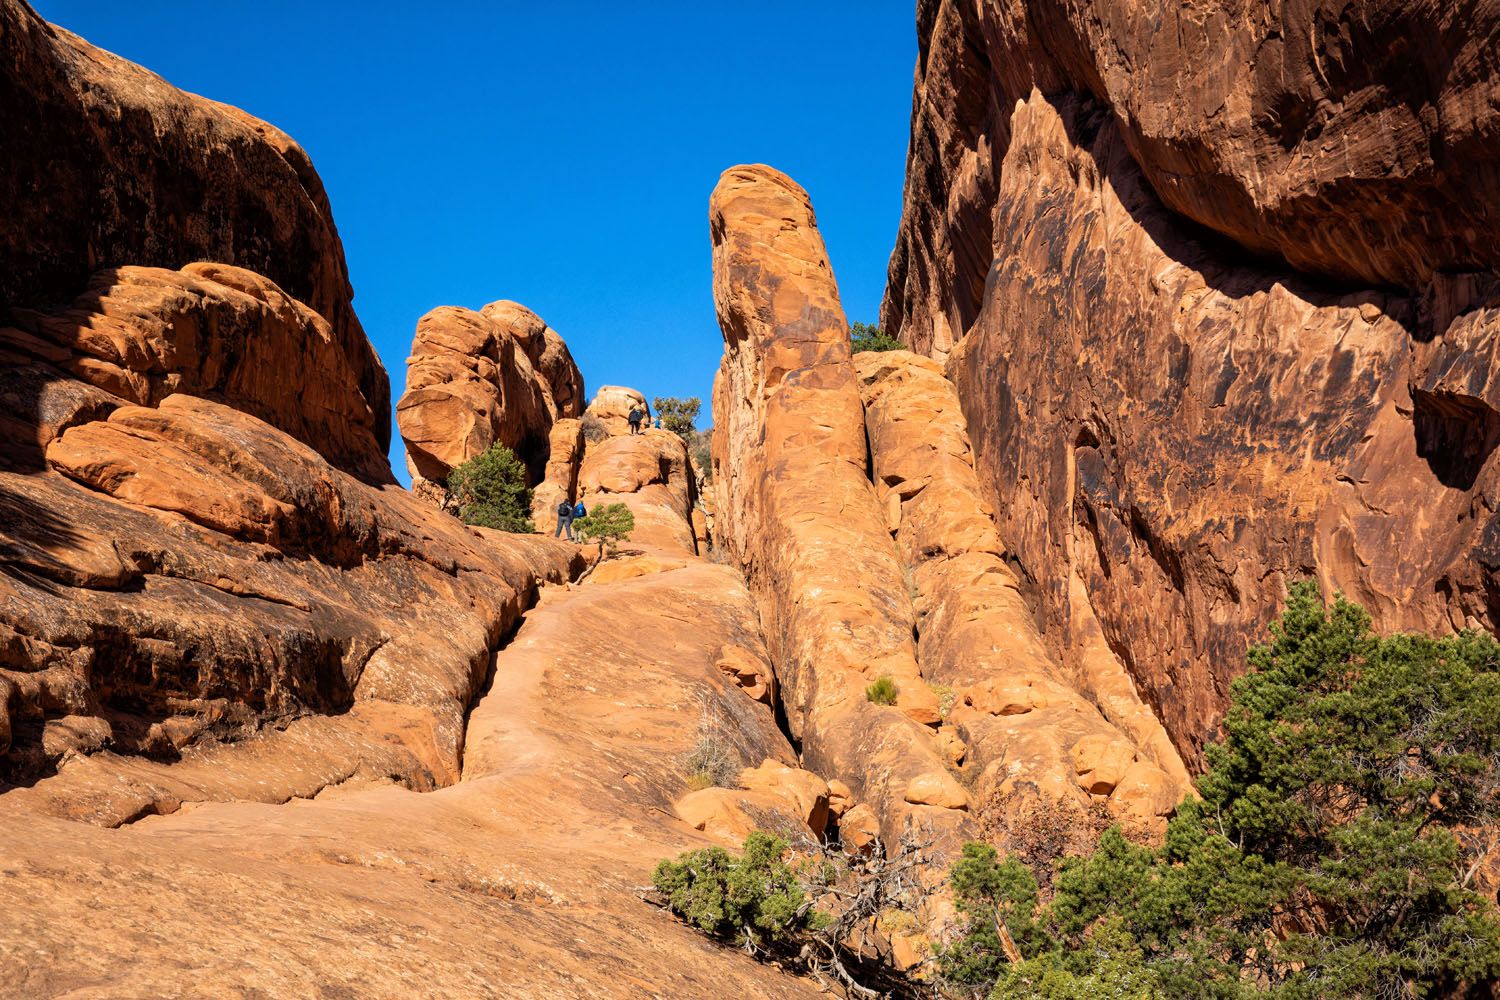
(650, 474)
(804, 792)
(610, 408)
(795, 508)
(476, 379)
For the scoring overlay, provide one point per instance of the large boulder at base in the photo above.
(475, 379)
(107, 164)
(1219, 298)
(797, 512)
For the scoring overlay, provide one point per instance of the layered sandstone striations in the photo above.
(1034, 733)
(474, 379)
(110, 165)
(797, 511)
(1218, 297)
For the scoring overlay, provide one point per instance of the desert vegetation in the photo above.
(870, 337)
(1335, 847)
(490, 491)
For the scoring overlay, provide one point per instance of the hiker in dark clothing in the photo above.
(564, 519)
(635, 418)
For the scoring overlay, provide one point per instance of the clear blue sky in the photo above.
(557, 154)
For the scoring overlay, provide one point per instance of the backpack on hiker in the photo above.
(580, 511)
(565, 509)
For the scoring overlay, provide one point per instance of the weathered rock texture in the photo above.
(212, 331)
(650, 474)
(516, 882)
(1033, 732)
(611, 407)
(797, 511)
(107, 165)
(1218, 294)
(475, 379)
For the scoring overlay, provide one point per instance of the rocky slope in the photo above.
(247, 682)
(847, 493)
(1218, 297)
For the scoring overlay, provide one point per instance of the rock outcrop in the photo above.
(797, 512)
(610, 408)
(212, 331)
(475, 379)
(1219, 300)
(650, 474)
(1035, 734)
(109, 165)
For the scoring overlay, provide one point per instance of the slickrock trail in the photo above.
(271, 725)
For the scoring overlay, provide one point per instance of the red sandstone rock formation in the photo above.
(474, 379)
(216, 332)
(108, 165)
(1218, 297)
(650, 474)
(1034, 734)
(798, 513)
(611, 407)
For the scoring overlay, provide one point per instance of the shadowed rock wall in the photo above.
(1218, 295)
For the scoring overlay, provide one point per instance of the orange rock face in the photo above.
(650, 474)
(1220, 309)
(112, 166)
(217, 332)
(1019, 718)
(611, 407)
(474, 379)
(797, 512)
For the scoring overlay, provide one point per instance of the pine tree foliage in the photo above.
(870, 337)
(490, 490)
(1343, 822)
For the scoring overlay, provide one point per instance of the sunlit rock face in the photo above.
(797, 511)
(1219, 298)
(477, 378)
(108, 165)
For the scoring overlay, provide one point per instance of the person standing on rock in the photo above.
(635, 418)
(564, 519)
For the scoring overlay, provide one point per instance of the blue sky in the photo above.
(560, 155)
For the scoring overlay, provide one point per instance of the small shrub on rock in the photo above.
(883, 691)
(609, 525)
(594, 430)
(490, 491)
(755, 901)
(678, 415)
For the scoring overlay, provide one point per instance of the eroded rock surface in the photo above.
(213, 331)
(1173, 422)
(516, 882)
(797, 512)
(110, 165)
(650, 474)
(474, 379)
(611, 407)
(1033, 732)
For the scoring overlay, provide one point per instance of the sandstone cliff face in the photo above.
(797, 511)
(1032, 734)
(474, 379)
(109, 165)
(215, 332)
(1218, 297)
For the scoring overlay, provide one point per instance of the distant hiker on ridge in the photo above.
(635, 418)
(565, 511)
